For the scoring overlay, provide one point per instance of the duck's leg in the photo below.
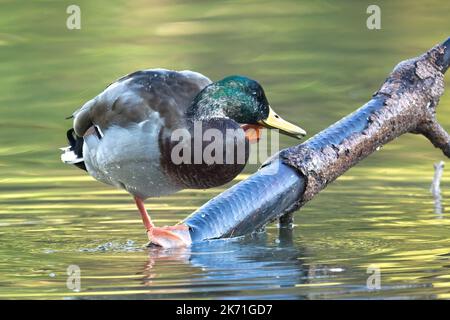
(167, 237)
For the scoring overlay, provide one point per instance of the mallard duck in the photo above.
(124, 136)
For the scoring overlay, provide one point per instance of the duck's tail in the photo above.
(73, 154)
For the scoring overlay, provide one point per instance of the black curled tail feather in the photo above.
(76, 146)
(76, 143)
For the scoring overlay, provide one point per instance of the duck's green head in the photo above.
(241, 99)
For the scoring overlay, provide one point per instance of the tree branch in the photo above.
(405, 103)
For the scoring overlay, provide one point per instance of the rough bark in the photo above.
(405, 103)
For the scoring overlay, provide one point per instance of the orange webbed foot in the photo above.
(170, 236)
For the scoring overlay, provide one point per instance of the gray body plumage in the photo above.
(133, 115)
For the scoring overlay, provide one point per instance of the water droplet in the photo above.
(52, 275)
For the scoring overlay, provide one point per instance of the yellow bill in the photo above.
(274, 121)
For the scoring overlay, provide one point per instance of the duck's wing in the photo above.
(134, 97)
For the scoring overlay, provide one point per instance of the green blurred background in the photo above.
(317, 62)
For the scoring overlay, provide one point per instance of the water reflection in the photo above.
(245, 264)
(317, 62)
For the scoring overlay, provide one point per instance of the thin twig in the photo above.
(436, 187)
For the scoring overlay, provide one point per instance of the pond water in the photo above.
(317, 62)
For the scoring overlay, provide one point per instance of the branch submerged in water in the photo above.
(405, 103)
